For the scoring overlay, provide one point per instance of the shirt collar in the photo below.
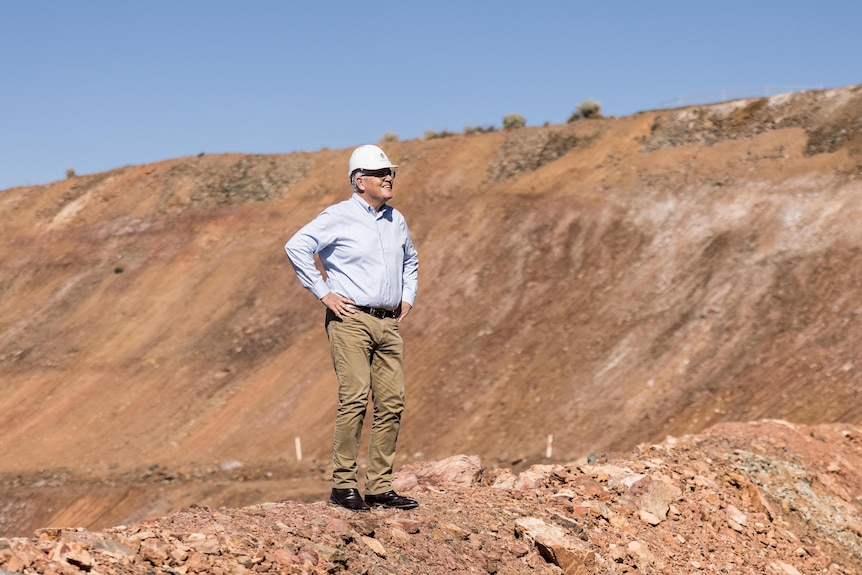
(367, 207)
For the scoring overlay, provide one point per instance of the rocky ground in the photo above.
(761, 498)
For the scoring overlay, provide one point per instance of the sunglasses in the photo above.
(380, 173)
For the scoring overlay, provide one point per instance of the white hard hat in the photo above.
(368, 157)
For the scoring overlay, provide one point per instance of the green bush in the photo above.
(587, 109)
(513, 121)
(389, 137)
(70, 173)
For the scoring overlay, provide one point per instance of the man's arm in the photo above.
(300, 250)
(409, 275)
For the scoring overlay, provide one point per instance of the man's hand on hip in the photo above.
(405, 309)
(340, 306)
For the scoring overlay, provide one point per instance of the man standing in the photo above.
(371, 279)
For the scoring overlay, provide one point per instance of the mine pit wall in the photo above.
(607, 282)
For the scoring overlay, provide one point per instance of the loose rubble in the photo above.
(760, 498)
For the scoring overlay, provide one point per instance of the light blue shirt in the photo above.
(368, 257)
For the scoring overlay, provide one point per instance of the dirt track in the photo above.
(609, 282)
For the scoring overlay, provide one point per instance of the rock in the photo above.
(579, 562)
(307, 555)
(556, 547)
(410, 526)
(534, 529)
(245, 560)
(567, 522)
(49, 533)
(595, 508)
(203, 543)
(179, 554)
(643, 556)
(455, 471)
(73, 553)
(198, 563)
(612, 473)
(11, 561)
(652, 496)
(112, 548)
(285, 557)
(785, 569)
(502, 479)
(402, 481)
(21, 554)
(327, 553)
(536, 476)
(399, 534)
(735, 515)
(567, 493)
(154, 550)
(374, 545)
(648, 517)
(339, 528)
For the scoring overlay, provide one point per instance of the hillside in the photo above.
(609, 282)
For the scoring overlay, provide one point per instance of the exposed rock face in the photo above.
(690, 505)
(608, 282)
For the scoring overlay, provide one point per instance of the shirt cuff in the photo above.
(320, 289)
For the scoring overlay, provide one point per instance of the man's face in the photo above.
(377, 186)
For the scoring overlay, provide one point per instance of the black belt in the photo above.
(379, 312)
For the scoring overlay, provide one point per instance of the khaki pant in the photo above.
(368, 356)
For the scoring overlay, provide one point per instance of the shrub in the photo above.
(432, 135)
(513, 121)
(70, 173)
(389, 137)
(469, 130)
(586, 109)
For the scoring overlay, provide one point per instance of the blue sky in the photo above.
(94, 85)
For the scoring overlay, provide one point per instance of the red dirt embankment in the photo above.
(608, 282)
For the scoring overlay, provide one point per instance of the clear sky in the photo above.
(94, 85)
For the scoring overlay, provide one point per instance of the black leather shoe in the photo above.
(391, 499)
(349, 499)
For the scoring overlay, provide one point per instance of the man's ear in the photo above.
(360, 183)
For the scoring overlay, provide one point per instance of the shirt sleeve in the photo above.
(300, 250)
(410, 273)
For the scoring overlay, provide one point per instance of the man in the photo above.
(371, 279)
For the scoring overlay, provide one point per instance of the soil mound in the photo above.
(763, 498)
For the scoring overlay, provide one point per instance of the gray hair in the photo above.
(357, 172)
